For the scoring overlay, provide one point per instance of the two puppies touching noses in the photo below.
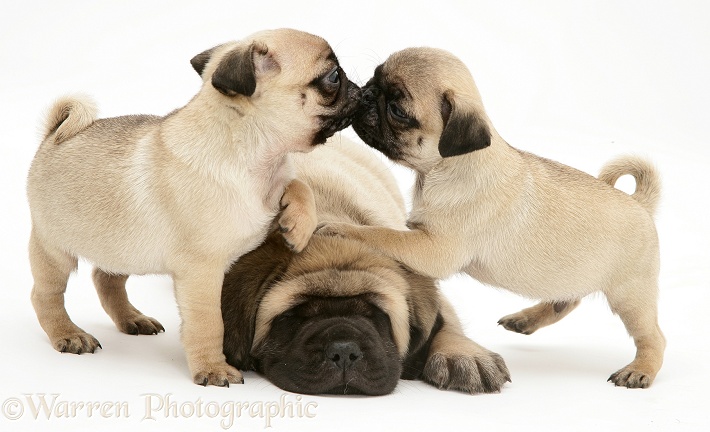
(189, 193)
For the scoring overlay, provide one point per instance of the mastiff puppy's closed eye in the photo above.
(507, 217)
(341, 317)
(185, 194)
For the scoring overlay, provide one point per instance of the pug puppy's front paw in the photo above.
(297, 227)
(220, 375)
(298, 218)
(334, 229)
(140, 324)
(76, 343)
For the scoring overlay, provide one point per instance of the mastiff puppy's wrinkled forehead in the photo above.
(335, 318)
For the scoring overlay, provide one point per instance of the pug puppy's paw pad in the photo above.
(519, 323)
(140, 325)
(630, 378)
(477, 373)
(218, 375)
(76, 343)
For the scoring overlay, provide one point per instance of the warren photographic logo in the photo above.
(52, 406)
(154, 407)
(163, 406)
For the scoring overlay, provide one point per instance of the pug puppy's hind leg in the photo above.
(639, 314)
(114, 299)
(51, 272)
(529, 320)
(298, 217)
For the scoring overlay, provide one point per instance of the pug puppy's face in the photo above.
(422, 106)
(289, 81)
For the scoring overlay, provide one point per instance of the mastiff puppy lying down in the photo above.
(340, 317)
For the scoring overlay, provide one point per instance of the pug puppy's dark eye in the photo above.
(334, 77)
(331, 81)
(396, 112)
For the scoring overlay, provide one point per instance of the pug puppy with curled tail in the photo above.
(185, 194)
(506, 217)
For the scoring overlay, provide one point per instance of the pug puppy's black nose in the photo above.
(354, 92)
(344, 354)
(369, 94)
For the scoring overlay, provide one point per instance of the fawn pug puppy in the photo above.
(341, 317)
(185, 194)
(507, 217)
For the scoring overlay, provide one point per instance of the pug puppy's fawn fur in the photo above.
(507, 217)
(186, 194)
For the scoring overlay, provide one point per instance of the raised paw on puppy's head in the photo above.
(298, 219)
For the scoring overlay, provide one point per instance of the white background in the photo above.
(579, 82)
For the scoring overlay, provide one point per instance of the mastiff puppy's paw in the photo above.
(479, 371)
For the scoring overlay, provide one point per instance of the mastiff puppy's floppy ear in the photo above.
(463, 132)
(237, 69)
(244, 285)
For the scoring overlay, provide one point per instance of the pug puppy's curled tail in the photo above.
(648, 182)
(68, 116)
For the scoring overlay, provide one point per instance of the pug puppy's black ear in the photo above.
(464, 132)
(235, 73)
(200, 60)
(237, 70)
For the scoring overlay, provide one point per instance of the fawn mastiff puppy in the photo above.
(341, 317)
(185, 194)
(506, 217)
